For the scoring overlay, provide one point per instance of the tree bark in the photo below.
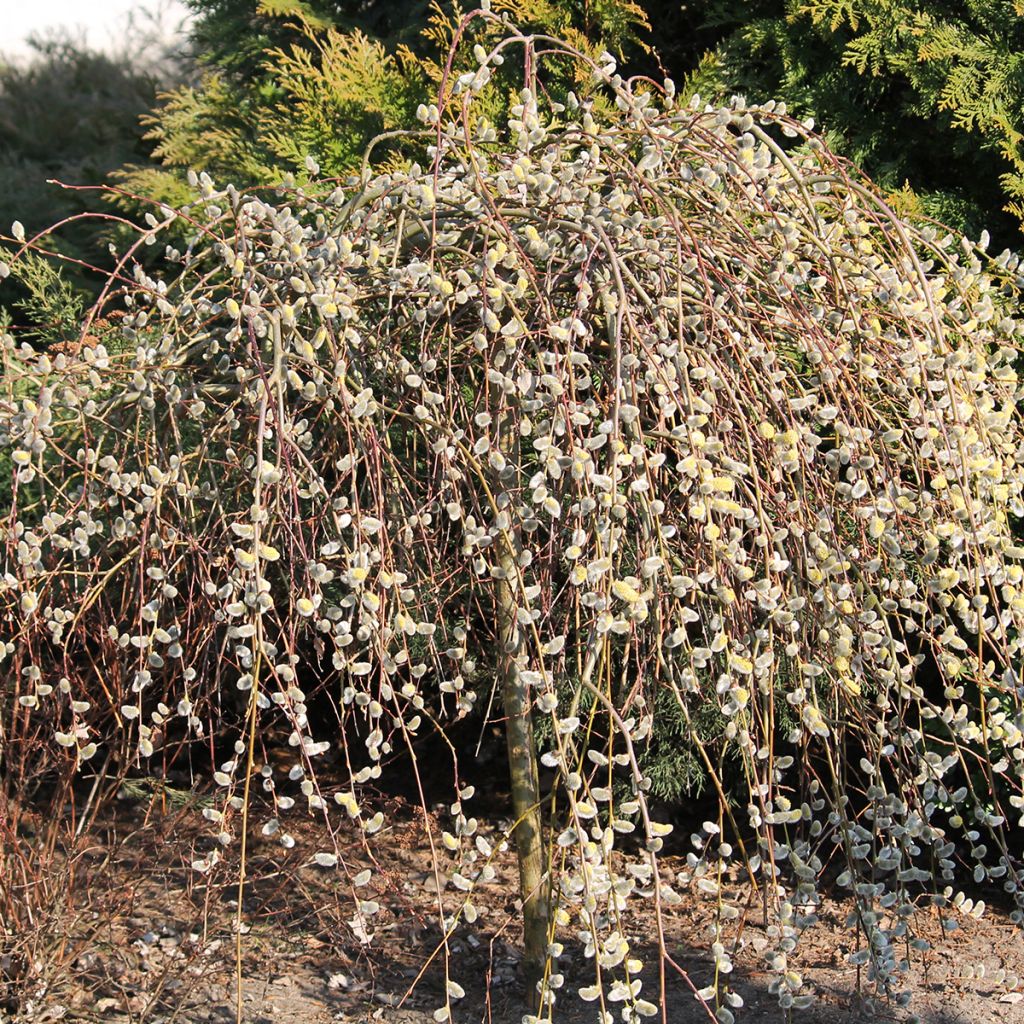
(522, 750)
(522, 767)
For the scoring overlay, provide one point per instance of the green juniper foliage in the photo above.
(288, 79)
(47, 299)
(927, 97)
(235, 35)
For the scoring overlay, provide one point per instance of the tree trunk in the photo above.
(522, 750)
(522, 766)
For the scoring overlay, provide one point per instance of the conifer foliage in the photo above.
(924, 96)
(595, 412)
(286, 79)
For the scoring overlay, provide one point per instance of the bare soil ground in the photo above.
(154, 946)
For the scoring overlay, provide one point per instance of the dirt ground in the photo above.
(154, 945)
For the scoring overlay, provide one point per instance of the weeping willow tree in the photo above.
(585, 414)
